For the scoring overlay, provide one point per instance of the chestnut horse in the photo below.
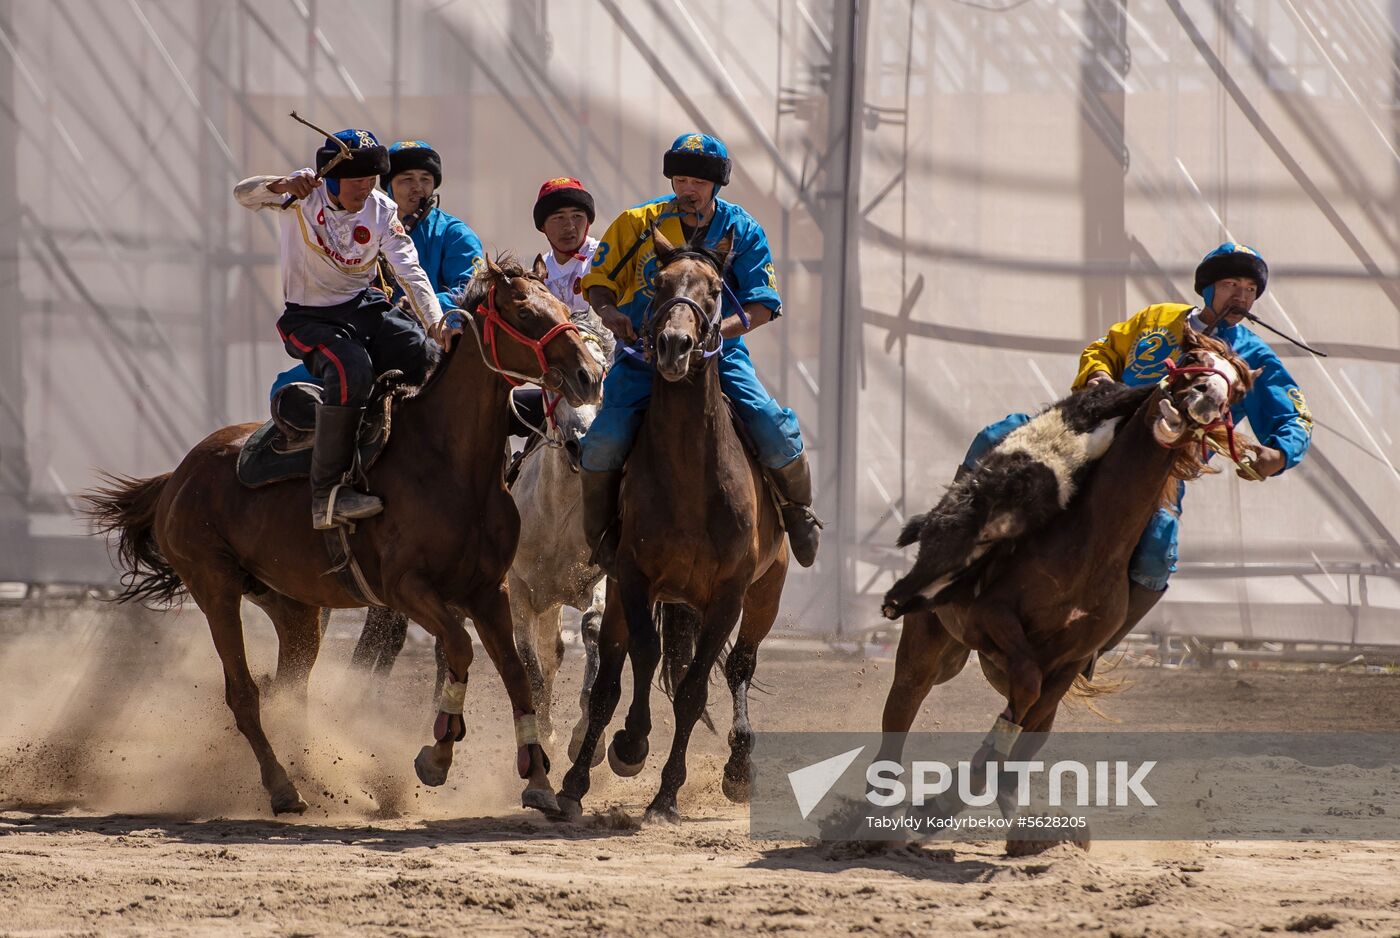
(439, 551)
(1037, 616)
(698, 527)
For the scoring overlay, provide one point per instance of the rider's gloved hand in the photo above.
(300, 184)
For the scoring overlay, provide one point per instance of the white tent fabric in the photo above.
(959, 194)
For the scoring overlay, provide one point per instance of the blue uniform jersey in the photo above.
(449, 252)
(750, 272)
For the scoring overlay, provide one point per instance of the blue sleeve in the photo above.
(462, 254)
(1277, 411)
(751, 267)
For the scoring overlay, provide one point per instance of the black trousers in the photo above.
(347, 345)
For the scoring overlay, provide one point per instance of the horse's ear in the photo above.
(662, 245)
(493, 268)
(726, 244)
(538, 268)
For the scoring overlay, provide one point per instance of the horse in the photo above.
(552, 567)
(698, 527)
(1037, 608)
(440, 550)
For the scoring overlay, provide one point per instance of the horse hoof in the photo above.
(625, 769)
(576, 746)
(541, 800)
(735, 789)
(662, 815)
(429, 772)
(568, 808)
(288, 802)
(890, 611)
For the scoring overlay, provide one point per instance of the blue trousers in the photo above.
(1154, 559)
(627, 389)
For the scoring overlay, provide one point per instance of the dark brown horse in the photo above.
(698, 527)
(439, 551)
(1037, 616)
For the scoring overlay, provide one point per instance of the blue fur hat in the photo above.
(367, 156)
(1231, 260)
(698, 155)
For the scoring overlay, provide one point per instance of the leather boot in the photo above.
(334, 502)
(600, 529)
(1140, 603)
(793, 484)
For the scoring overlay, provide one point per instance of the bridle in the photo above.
(1226, 419)
(495, 321)
(711, 337)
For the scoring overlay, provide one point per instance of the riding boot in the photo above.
(600, 529)
(793, 484)
(1140, 603)
(333, 501)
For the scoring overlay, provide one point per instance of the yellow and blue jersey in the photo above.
(750, 272)
(1136, 351)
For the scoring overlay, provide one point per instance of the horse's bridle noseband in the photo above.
(713, 321)
(495, 321)
(1226, 418)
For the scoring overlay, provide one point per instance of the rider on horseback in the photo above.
(563, 212)
(448, 250)
(1136, 351)
(620, 287)
(342, 328)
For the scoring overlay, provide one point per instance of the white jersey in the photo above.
(566, 280)
(328, 254)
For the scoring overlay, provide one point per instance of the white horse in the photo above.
(551, 568)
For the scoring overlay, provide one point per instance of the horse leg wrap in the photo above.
(1002, 738)
(449, 725)
(526, 735)
(454, 696)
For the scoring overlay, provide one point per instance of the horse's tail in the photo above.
(1087, 690)
(912, 529)
(127, 507)
(680, 627)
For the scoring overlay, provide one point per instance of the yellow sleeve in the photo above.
(615, 243)
(1110, 353)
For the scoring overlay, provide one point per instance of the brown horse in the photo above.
(439, 551)
(698, 527)
(1038, 616)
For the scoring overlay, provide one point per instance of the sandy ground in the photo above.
(130, 806)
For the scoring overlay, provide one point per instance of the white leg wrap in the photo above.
(526, 732)
(453, 696)
(1003, 736)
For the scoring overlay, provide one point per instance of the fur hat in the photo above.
(1231, 260)
(561, 192)
(367, 156)
(698, 155)
(412, 154)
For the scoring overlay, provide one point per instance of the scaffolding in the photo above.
(959, 194)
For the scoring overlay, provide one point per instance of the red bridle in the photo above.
(1225, 420)
(494, 321)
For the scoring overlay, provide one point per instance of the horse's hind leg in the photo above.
(218, 596)
(591, 624)
(691, 696)
(529, 629)
(298, 641)
(760, 611)
(381, 641)
(927, 655)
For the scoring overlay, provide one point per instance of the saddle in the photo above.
(281, 448)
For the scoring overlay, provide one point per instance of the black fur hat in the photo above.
(413, 154)
(1232, 260)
